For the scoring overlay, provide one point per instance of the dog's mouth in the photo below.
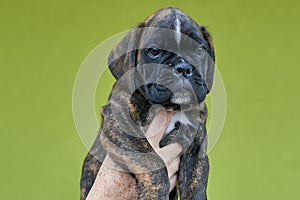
(174, 97)
(182, 96)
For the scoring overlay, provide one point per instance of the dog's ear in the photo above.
(123, 56)
(211, 60)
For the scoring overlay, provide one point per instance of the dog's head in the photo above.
(172, 54)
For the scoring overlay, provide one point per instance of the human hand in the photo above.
(111, 183)
(154, 134)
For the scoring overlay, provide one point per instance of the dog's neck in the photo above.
(176, 119)
(139, 109)
(142, 113)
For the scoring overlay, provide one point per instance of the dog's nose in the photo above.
(184, 68)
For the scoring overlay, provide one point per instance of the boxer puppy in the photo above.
(166, 62)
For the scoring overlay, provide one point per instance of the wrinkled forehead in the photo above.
(170, 29)
(173, 19)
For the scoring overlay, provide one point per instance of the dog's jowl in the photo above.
(167, 62)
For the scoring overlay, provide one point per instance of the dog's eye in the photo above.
(202, 51)
(154, 52)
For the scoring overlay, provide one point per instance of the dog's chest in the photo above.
(176, 119)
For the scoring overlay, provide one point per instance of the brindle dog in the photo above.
(179, 53)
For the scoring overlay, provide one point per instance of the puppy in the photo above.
(167, 62)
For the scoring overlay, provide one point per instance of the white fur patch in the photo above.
(178, 32)
(176, 117)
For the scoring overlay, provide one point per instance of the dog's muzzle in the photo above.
(182, 67)
(175, 83)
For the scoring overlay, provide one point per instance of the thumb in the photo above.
(157, 128)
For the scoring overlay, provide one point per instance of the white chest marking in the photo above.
(176, 117)
(178, 32)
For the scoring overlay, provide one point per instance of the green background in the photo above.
(43, 43)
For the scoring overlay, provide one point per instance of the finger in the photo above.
(165, 154)
(157, 124)
(173, 167)
(173, 182)
(157, 128)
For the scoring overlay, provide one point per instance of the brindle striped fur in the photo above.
(152, 185)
